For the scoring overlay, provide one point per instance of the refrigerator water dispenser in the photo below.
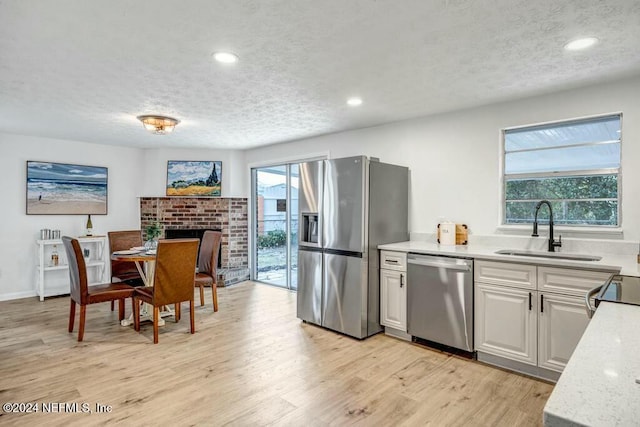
(310, 227)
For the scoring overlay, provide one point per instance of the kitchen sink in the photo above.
(549, 255)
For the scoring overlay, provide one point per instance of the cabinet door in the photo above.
(393, 299)
(506, 322)
(562, 321)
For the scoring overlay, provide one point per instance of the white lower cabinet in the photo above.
(518, 327)
(506, 322)
(561, 322)
(393, 295)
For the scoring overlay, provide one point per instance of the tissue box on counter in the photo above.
(450, 233)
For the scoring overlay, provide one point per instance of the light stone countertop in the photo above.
(598, 387)
(624, 264)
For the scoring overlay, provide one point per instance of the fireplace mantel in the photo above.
(226, 214)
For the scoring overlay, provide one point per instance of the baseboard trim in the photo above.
(397, 333)
(523, 368)
(17, 295)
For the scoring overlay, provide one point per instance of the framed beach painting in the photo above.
(66, 189)
(194, 178)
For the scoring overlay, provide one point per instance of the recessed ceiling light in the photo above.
(354, 102)
(225, 57)
(579, 44)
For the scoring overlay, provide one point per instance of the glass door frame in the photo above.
(254, 227)
(253, 208)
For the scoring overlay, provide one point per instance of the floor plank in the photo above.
(251, 363)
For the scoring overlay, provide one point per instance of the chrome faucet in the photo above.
(552, 243)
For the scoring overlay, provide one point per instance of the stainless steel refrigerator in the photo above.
(347, 207)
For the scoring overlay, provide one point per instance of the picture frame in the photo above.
(66, 189)
(194, 178)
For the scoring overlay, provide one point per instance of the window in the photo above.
(573, 164)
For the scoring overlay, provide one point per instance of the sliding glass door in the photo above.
(275, 220)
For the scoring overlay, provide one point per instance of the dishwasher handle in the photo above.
(441, 263)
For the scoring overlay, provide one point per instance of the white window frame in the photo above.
(613, 230)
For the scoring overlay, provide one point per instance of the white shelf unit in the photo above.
(54, 280)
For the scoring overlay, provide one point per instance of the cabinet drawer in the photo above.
(569, 281)
(505, 273)
(390, 260)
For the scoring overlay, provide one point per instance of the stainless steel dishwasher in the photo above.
(440, 300)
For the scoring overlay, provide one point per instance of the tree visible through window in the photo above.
(574, 164)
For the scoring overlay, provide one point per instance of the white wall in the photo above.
(19, 231)
(234, 177)
(454, 157)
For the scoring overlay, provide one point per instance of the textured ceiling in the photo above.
(83, 70)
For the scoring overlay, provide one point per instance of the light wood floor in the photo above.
(252, 363)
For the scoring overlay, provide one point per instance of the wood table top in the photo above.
(140, 256)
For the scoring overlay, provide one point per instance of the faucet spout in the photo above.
(552, 242)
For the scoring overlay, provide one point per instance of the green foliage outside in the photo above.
(272, 239)
(583, 200)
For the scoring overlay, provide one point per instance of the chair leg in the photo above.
(192, 312)
(83, 315)
(112, 305)
(72, 314)
(177, 312)
(201, 295)
(120, 309)
(214, 294)
(136, 314)
(156, 315)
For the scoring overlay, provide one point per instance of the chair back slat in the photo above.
(175, 271)
(77, 270)
(209, 252)
(120, 241)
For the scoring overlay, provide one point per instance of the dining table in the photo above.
(145, 262)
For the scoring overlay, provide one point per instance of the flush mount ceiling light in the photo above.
(579, 44)
(225, 57)
(354, 102)
(160, 125)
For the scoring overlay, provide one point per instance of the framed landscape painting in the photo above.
(65, 189)
(194, 178)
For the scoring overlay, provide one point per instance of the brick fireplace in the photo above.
(226, 214)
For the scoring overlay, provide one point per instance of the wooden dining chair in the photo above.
(123, 271)
(173, 281)
(82, 293)
(208, 265)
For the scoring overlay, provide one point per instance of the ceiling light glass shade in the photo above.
(160, 125)
(225, 57)
(579, 44)
(354, 102)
